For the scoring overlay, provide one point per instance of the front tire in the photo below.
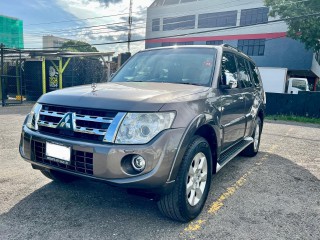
(191, 189)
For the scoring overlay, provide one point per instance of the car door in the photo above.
(248, 91)
(231, 102)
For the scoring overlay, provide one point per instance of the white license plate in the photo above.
(57, 152)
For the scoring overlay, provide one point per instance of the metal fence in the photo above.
(11, 76)
(305, 104)
(26, 75)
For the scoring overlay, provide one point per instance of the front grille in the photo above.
(81, 162)
(90, 125)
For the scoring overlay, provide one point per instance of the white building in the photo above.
(52, 42)
(243, 24)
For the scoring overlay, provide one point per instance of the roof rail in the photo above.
(229, 46)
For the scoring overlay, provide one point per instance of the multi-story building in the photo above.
(242, 24)
(11, 32)
(53, 42)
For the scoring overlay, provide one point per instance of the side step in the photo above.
(232, 152)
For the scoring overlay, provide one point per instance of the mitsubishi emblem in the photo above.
(67, 122)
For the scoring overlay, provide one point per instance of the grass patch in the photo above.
(294, 119)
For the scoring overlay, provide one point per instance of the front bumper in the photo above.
(106, 158)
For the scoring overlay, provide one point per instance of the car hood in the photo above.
(124, 96)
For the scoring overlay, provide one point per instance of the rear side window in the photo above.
(229, 72)
(244, 73)
(255, 74)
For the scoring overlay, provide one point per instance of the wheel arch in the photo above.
(204, 126)
(208, 133)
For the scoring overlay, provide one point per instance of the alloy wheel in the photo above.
(197, 179)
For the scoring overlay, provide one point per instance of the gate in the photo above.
(11, 83)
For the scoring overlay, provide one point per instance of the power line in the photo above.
(143, 11)
(118, 23)
(79, 19)
(193, 33)
(93, 31)
(121, 14)
(119, 30)
(77, 28)
(103, 32)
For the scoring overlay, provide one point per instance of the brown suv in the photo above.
(168, 120)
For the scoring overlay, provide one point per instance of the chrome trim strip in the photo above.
(93, 131)
(37, 116)
(109, 134)
(114, 127)
(93, 119)
(52, 114)
(47, 124)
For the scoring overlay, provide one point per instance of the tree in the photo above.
(85, 69)
(304, 29)
(77, 46)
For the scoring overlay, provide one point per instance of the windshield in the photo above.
(174, 65)
(300, 84)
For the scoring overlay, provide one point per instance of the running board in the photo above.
(228, 155)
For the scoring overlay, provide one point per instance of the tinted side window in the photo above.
(254, 73)
(229, 72)
(244, 73)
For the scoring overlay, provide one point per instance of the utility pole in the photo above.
(130, 25)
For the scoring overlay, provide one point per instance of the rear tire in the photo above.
(192, 185)
(58, 176)
(253, 149)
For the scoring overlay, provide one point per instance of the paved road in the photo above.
(275, 195)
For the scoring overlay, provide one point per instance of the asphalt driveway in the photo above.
(275, 195)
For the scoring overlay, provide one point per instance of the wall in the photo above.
(304, 104)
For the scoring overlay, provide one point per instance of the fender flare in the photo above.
(196, 123)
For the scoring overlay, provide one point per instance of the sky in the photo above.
(92, 21)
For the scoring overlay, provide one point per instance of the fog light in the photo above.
(138, 163)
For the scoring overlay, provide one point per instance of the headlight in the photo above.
(140, 128)
(34, 116)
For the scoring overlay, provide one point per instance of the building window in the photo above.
(219, 19)
(215, 42)
(179, 23)
(184, 43)
(155, 24)
(254, 16)
(254, 47)
(167, 44)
